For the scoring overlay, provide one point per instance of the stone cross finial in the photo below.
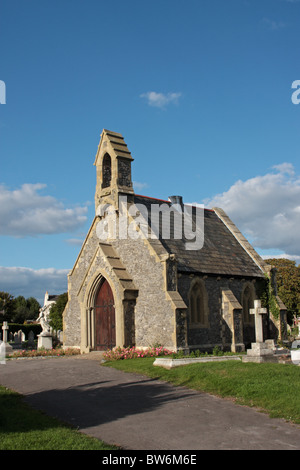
(258, 311)
(5, 328)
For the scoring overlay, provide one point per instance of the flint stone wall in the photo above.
(217, 332)
(154, 316)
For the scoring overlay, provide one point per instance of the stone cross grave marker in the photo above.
(8, 347)
(258, 311)
(5, 330)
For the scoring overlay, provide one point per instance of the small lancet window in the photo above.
(197, 304)
(248, 302)
(106, 171)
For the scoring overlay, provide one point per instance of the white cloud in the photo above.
(75, 241)
(160, 100)
(285, 168)
(266, 209)
(33, 283)
(138, 186)
(274, 25)
(25, 212)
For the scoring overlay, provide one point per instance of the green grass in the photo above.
(273, 388)
(24, 428)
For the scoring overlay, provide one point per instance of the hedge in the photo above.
(26, 328)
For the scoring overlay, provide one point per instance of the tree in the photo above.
(56, 312)
(6, 306)
(19, 309)
(24, 309)
(288, 284)
(33, 307)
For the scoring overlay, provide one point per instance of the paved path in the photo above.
(140, 413)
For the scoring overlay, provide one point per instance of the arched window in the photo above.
(198, 303)
(106, 171)
(248, 303)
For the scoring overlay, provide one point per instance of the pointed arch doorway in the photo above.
(105, 324)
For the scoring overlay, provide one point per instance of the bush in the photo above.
(45, 352)
(131, 353)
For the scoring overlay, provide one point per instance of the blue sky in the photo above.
(201, 91)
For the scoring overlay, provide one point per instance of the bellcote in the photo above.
(113, 167)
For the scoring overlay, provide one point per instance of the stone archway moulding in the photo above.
(124, 293)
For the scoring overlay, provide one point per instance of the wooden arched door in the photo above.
(105, 331)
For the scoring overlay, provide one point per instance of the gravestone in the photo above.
(18, 338)
(261, 351)
(295, 352)
(8, 348)
(59, 336)
(31, 342)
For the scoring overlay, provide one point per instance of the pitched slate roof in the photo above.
(225, 251)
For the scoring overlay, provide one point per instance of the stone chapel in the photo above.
(139, 281)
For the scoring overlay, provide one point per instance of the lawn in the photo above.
(23, 428)
(273, 388)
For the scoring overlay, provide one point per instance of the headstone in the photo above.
(18, 339)
(258, 311)
(7, 346)
(5, 330)
(60, 335)
(296, 344)
(31, 343)
(295, 352)
(260, 351)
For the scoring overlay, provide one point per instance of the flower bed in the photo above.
(44, 352)
(131, 353)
